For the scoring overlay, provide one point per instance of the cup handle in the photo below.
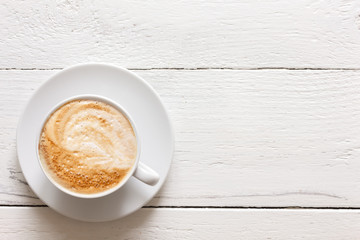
(146, 174)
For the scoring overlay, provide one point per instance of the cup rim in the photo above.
(111, 103)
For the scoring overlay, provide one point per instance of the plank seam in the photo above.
(220, 207)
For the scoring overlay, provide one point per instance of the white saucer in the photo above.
(141, 102)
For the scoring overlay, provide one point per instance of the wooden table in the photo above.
(264, 97)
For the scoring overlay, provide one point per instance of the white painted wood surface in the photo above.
(243, 138)
(43, 223)
(264, 96)
(189, 34)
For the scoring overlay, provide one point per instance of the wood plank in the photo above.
(181, 34)
(243, 138)
(43, 223)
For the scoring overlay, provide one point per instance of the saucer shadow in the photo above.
(58, 225)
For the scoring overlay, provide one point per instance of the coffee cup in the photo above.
(91, 168)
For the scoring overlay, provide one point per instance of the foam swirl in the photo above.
(87, 146)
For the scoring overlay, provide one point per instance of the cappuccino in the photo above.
(87, 146)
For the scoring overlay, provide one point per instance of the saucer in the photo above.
(146, 109)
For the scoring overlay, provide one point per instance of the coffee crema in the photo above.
(87, 146)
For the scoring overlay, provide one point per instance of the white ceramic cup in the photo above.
(139, 170)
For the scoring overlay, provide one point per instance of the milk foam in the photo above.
(88, 146)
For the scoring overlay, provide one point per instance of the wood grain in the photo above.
(43, 223)
(181, 34)
(243, 138)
